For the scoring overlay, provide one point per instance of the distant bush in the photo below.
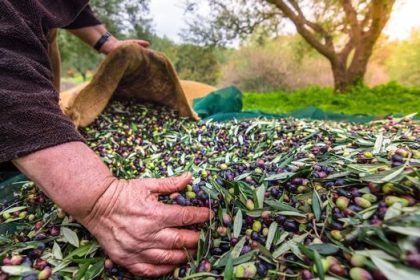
(288, 63)
(404, 61)
(378, 101)
(197, 63)
(279, 64)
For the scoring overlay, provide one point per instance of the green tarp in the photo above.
(226, 104)
(224, 101)
(8, 182)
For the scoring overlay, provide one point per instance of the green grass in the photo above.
(377, 101)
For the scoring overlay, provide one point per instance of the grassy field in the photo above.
(378, 101)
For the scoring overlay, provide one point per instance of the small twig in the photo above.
(283, 274)
(315, 229)
(209, 232)
(325, 224)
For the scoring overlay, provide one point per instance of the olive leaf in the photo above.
(378, 144)
(202, 246)
(260, 192)
(286, 247)
(411, 231)
(393, 272)
(280, 206)
(286, 162)
(17, 270)
(316, 205)
(394, 211)
(82, 270)
(272, 230)
(236, 251)
(228, 274)
(314, 255)
(325, 249)
(376, 253)
(237, 224)
(385, 176)
(338, 175)
(94, 270)
(70, 236)
(281, 176)
(82, 251)
(235, 254)
(201, 275)
(242, 176)
(56, 250)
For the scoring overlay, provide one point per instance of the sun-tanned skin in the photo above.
(135, 229)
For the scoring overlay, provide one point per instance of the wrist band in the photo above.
(102, 41)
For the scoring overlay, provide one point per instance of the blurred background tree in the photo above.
(197, 63)
(265, 56)
(131, 19)
(404, 60)
(343, 31)
(123, 18)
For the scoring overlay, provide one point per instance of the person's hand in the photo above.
(135, 229)
(114, 43)
(139, 232)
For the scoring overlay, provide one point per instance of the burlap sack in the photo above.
(134, 73)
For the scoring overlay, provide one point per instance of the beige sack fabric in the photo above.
(134, 73)
(195, 90)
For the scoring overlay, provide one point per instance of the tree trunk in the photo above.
(363, 35)
(82, 73)
(346, 77)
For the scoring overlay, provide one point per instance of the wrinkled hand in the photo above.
(139, 232)
(114, 43)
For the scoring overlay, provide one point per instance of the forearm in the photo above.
(71, 174)
(90, 35)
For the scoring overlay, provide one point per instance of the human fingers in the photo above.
(180, 216)
(168, 185)
(150, 270)
(174, 239)
(144, 44)
(166, 257)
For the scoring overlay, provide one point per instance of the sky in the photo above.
(168, 16)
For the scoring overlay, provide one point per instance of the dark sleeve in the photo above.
(85, 19)
(30, 116)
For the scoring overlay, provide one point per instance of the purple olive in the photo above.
(290, 226)
(262, 269)
(413, 259)
(180, 200)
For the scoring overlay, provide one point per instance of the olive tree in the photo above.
(343, 31)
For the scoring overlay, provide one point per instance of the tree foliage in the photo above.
(123, 18)
(76, 56)
(343, 31)
(228, 21)
(130, 19)
(197, 64)
(403, 63)
(263, 68)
